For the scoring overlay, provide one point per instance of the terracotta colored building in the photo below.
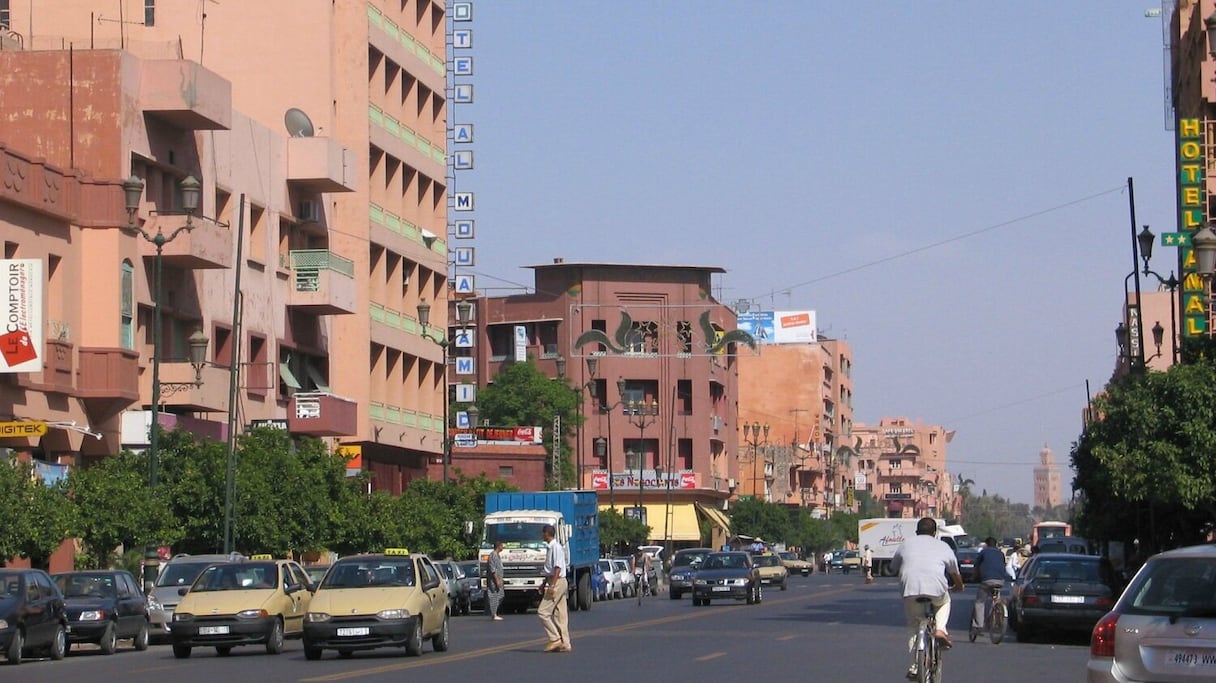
(902, 464)
(803, 392)
(670, 439)
(1047, 489)
(324, 166)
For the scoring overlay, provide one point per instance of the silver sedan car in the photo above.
(1163, 628)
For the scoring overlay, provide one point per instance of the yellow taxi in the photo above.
(258, 601)
(772, 570)
(391, 599)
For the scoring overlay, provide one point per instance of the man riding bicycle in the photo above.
(923, 563)
(991, 572)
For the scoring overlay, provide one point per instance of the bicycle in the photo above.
(996, 617)
(928, 648)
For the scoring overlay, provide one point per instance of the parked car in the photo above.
(795, 564)
(104, 607)
(252, 602)
(472, 579)
(180, 572)
(726, 575)
(1061, 591)
(772, 571)
(614, 584)
(966, 562)
(628, 585)
(458, 591)
(851, 561)
(316, 572)
(837, 562)
(684, 566)
(158, 620)
(394, 599)
(33, 618)
(1163, 627)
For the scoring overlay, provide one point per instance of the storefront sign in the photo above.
(21, 346)
(1192, 201)
(683, 479)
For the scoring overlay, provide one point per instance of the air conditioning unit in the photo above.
(731, 483)
(310, 211)
(717, 422)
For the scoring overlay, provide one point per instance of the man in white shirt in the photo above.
(923, 563)
(552, 611)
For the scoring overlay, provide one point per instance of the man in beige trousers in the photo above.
(552, 611)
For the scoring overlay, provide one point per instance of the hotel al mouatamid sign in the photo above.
(1192, 203)
(21, 336)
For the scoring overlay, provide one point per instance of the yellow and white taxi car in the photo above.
(772, 570)
(393, 599)
(259, 601)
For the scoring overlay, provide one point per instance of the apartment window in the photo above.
(505, 471)
(5, 20)
(502, 341)
(149, 12)
(896, 487)
(299, 371)
(547, 333)
(684, 396)
(258, 377)
(684, 336)
(221, 348)
(127, 305)
(257, 233)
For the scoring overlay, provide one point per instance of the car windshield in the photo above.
(445, 569)
(1174, 586)
(10, 585)
(787, 556)
(682, 559)
(725, 561)
(370, 573)
(316, 572)
(766, 560)
(181, 573)
(1089, 571)
(606, 565)
(515, 535)
(236, 577)
(470, 569)
(86, 585)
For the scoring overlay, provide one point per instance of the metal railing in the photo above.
(307, 265)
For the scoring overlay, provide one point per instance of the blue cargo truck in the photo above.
(516, 519)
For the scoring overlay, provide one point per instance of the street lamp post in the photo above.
(463, 313)
(752, 437)
(641, 415)
(133, 188)
(1145, 240)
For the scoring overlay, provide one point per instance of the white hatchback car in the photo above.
(627, 583)
(613, 587)
(1163, 628)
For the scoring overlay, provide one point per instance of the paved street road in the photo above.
(824, 628)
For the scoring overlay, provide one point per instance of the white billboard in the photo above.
(780, 327)
(21, 343)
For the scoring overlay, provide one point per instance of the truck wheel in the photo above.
(584, 592)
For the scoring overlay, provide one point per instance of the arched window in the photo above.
(126, 331)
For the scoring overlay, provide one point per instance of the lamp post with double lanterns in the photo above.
(464, 311)
(755, 435)
(593, 364)
(641, 415)
(133, 189)
(1144, 241)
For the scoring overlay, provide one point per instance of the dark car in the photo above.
(472, 578)
(458, 590)
(104, 607)
(684, 565)
(726, 575)
(1061, 591)
(966, 562)
(32, 615)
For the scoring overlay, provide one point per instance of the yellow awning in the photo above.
(715, 516)
(678, 521)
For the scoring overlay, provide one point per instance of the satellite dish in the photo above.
(298, 124)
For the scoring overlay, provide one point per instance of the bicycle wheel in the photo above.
(997, 623)
(925, 657)
(936, 672)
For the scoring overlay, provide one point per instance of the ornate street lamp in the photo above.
(752, 437)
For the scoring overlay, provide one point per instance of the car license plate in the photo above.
(212, 630)
(353, 631)
(1191, 659)
(1069, 599)
(721, 589)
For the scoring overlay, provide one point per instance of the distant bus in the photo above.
(1044, 530)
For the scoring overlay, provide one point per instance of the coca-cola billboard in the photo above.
(682, 479)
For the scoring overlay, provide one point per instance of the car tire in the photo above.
(583, 592)
(59, 644)
(673, 594)
(109, 640)
(15, 646)
(465, 608)
(783, 586)
(223, 650)
(181, 651)
(346, 654)
(413, 646)
(439, 641)
(311, 652)
(140, 641)
(274, 641)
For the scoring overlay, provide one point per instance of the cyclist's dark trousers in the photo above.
(981, 600)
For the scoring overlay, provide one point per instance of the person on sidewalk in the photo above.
(552, 611)
(494, 585)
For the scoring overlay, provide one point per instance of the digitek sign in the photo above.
(1192, 199)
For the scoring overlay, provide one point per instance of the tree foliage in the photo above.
(619, 534)
(114, 509)
(35, 517)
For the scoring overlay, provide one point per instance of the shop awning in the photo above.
(715, 516)
(681, 525)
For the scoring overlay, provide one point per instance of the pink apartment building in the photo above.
(320, 149)
(902, 464)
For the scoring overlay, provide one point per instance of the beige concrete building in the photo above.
(803, 392)
(320, 148)
(902, 464)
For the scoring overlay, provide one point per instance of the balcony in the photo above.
(206, 246)
(185, 94)
(323, 282)
(322, 414)
(320, 164)
(177, 393)
(108, 379)
(57, 375)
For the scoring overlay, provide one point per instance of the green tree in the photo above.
(752, 517)
(113, 508)
(522, 395)
(618, 534)
(36, 518)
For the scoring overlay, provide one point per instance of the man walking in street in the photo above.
(494, 586)
(552, 610)
(867, 563)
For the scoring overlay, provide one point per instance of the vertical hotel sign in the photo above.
(21, 346)
(1192, 199)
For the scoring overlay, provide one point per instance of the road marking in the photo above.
(789, 637)
(706, 658)
(537, 642)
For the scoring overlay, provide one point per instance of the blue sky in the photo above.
(814, 150)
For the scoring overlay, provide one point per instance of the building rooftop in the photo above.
(562, 263)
